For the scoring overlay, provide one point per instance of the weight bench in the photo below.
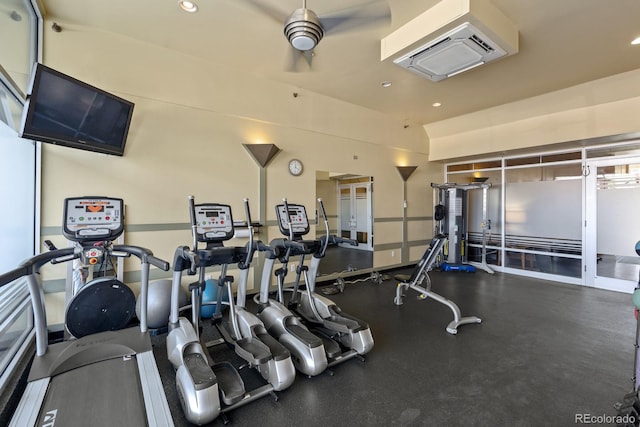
(421, 273)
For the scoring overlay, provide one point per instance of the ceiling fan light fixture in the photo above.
(188, 6)
(303, 29)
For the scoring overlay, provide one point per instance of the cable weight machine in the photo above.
(450, 214)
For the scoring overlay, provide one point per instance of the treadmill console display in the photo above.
(214, 222)
(297, 218)
(91, 219)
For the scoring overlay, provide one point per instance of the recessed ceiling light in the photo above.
(188, 6)
(636, 40)
(436, 104)
(385, 84)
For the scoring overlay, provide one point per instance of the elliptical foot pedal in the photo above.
(229, 382)
(253, 351)
(199, 370)
(331, 348)
(278, 351)
(303, 334)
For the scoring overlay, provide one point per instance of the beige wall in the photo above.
(600, 108)
(190, 122)
(192, 118)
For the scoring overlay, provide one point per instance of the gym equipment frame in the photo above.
(420, 274)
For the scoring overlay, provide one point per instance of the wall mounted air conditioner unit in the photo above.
(461, 49)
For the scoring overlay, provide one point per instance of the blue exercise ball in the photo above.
(210, 294)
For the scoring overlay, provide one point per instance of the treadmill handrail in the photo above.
(31, 267)
(33, 264)
(145, 255)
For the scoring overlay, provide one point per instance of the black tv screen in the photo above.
(65, 111)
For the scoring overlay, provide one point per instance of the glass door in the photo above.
(355, 214)
(612, 227)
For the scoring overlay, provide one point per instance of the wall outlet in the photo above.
(292, 267)
(393, 254)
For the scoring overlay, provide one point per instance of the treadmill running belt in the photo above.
(106, 393)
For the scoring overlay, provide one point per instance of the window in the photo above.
(534, 206)
(20, 29)
(543, 219)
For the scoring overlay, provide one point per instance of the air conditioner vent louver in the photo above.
(461, 49)
(484, 45)
(434, 46)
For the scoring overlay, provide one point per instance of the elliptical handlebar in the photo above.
(263, 247)
(251, 248)
(286, 212)
(288, 244)
(192, 216)
(185, 259)
(325, 241)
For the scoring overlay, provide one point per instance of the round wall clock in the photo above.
(295, 167)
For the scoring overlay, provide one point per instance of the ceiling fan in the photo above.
(304, 29)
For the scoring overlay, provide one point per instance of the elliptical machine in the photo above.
(245, 330)
(307, 350)
(207, 389)
(344, 336)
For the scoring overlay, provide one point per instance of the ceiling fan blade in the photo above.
(275, 14)
(308, 56)
(375, 12)
(293, 61)
(298, 60)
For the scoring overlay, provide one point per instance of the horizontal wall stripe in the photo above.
(390, 219)
(51, 231)
(53, 286)
(399, 219)
(173, 226)
(414, 243)
(387, 246)
(133, 228)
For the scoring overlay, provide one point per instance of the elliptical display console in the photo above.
(90, 219)
(214, 222)
(297, 221)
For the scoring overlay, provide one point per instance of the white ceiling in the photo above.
(562, 43)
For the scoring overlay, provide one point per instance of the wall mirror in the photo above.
(348, 201)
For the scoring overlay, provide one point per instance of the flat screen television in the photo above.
(65, 111)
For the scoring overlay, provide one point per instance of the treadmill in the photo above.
(104, 375)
